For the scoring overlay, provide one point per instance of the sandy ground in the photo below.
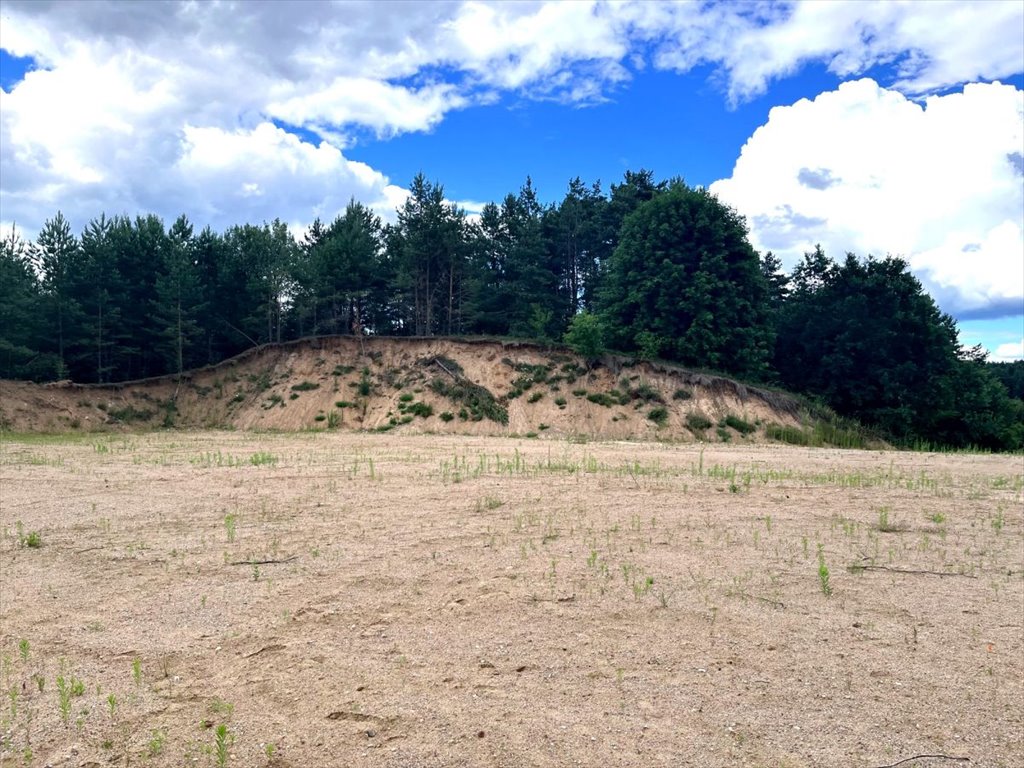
(341, 384)
(472, 601)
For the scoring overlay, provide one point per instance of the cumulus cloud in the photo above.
(932, 45)
(1006, 353)
(864, 169)
(131, 94)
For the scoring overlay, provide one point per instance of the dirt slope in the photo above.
(413, 386)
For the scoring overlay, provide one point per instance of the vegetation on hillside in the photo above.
(659, 270)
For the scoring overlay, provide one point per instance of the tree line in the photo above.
(657, 269)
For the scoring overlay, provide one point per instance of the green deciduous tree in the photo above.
(685, 276)
(586, 336)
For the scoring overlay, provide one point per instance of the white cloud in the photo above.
(934, 44)
(1006, 353)
(387, 108)
(133, 93)
(253, 175)
(864, 169)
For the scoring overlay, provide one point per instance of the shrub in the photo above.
(741, 426)
(682, 394)
(647, 393)
(305, 386)
(600, 398)
(447, 416)
(407, 397)
(560, 402)
(129, 413)
(423, 410)
(365, 386)
(478, 401)
(658, 415)
(535, 397)
(697, 421)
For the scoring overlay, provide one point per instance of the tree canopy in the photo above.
(685, 284)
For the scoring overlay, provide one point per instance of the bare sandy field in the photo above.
(327, 599)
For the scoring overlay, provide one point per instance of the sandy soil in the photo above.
(341, 384)
(473, 601)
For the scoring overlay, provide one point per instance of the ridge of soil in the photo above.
(413, 385)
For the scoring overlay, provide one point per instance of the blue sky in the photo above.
(867, 127)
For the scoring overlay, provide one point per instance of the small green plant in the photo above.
(221, 707)
(560, 402)
(63, 698)
(642, 587)
(885, 525)
(156, 743)
(137, 670)
(77, 687)
(23, 649)
(365, 386)
(824, 575)
(223, 739)
(268, 749)
(30, 539)
(406, 397)
(333, 420)
(230, 522)
(998, 521)
(261, 458)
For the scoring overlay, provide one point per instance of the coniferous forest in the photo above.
(659, 270)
